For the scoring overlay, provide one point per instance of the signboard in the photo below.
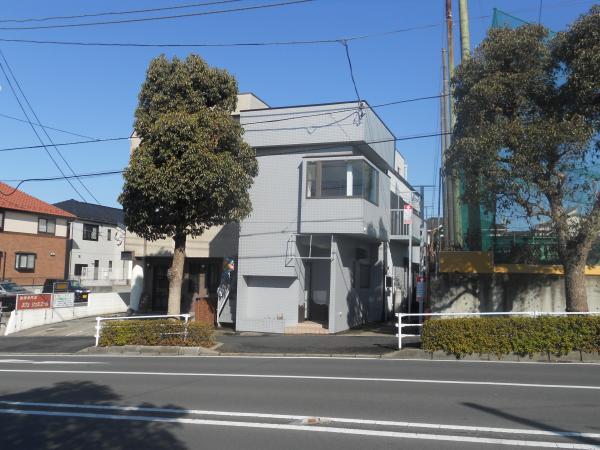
(420, 289)
(60, 286)
(407, 216)
(34, 301)
(63, 300)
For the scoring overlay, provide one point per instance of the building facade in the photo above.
(318, 252)
(96, 244)
(324, 248)
(33, 239)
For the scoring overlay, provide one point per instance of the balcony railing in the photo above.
(400, 230)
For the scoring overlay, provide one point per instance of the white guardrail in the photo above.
(99, 321)
(402, 324)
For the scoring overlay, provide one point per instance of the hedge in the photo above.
(556, 335)
(156, 332)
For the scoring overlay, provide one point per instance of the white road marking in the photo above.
(308, 428)
(387, 423)
(310, 377)
(326, 357)
(31, 361)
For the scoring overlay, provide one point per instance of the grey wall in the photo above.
(326, 128)
(350, 305)
(505, 292)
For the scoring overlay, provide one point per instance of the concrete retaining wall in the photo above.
(98, 304)
(455, 292)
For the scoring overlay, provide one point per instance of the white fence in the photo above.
(98, 303)
(99, 321)
(402, 324)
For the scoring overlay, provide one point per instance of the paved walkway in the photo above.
(75, 335)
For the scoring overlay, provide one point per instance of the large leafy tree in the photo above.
(526, 136)
(192, 169)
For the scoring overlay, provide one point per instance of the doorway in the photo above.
(318, 274)
(160, 288)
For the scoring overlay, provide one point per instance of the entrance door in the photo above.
(318, 290)
(160, 288)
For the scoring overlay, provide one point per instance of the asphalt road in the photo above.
(94, 402)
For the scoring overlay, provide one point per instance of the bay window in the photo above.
(342, 178)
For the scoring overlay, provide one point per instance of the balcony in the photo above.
(400, 231)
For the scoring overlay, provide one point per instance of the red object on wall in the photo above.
(34, 301)
(205, 310)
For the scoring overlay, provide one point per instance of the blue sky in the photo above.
(93, 91)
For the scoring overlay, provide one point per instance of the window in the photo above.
(346, 178)
(79, 269)
(25, 261)
(90, 232)
(46, 226)
(110, 266)
(1, 220)
(108, 234)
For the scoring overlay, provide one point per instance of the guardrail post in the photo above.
(185, 326)
(399, 331)
(97, 330)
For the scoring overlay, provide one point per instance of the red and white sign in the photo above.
(407, 216)
(34, 301)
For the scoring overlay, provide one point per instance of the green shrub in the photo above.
(557, 335)
(156, 332)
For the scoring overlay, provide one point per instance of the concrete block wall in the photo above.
(454, 292)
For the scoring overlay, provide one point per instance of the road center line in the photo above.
(306, 428)
(308, 377)
(522, 431)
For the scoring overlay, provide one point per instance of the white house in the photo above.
(96, 243)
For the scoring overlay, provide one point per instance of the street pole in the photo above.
(453, 178)
(465, 38)
(410, 265)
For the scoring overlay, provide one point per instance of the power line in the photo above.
(67, 177)
(151, 19)
(117, 13)
(289, 116)
(39, 122)
(6, 116)
(226, 44)
(35, 131)
(63, 144)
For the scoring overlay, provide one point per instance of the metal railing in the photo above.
(99, 321)
(399, 228)
(402, 324)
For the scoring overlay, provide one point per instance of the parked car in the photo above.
(8, 294)
(81, 293)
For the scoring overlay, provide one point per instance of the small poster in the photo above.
(407, 219)
(63, 300)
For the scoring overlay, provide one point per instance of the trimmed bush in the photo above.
(156, 332)
(557, 335)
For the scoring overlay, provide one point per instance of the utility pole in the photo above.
(474, 240)
(447, 185)
(456, 237)
(465, 36)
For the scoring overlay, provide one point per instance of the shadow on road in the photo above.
(46, 432)
(530, 422)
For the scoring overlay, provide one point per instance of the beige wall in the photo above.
(22, 222)
(195, 247)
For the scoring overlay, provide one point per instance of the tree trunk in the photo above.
(575, 292)
(175, 274)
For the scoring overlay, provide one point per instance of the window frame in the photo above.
(314, 169)
(108, 234)
(18, 256)
(48, 220)
(90, 238)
